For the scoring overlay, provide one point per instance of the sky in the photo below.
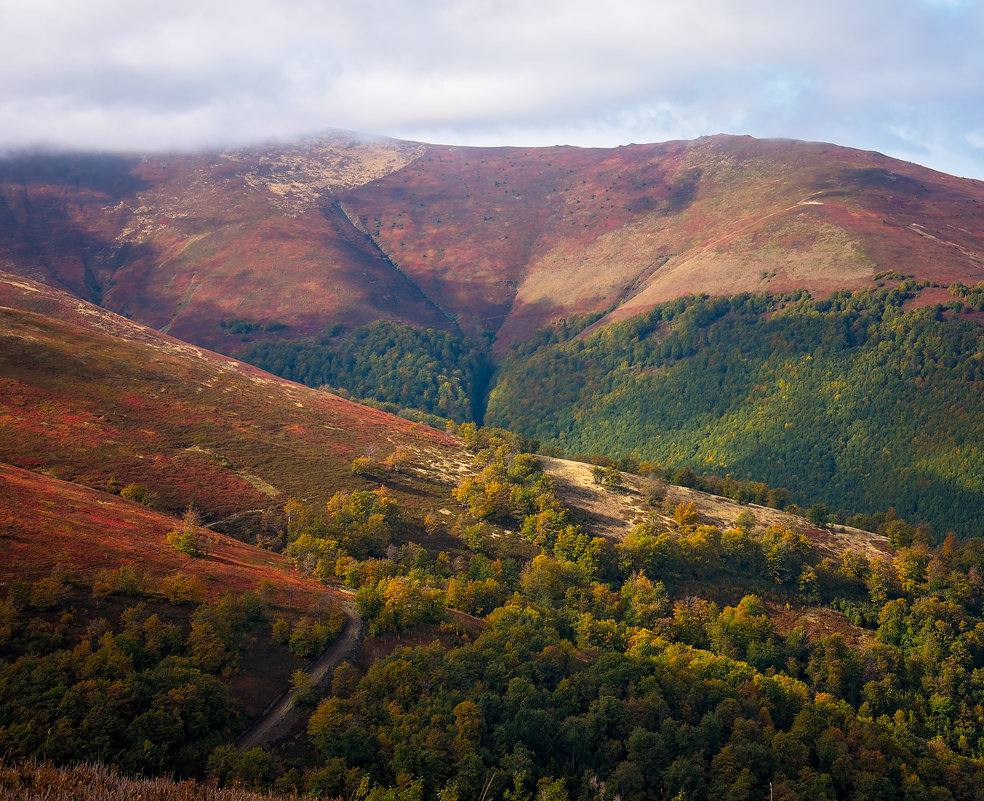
(903, 77)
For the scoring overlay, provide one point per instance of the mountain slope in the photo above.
(92, 398)
(493, 241)
(510, 239)
(183, 242)
(50, 524)
(862, 401)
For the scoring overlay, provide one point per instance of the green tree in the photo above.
(190, 538)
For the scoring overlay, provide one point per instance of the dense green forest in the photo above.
(673, 664)
(529, 660)
(852, 401)
(132, 670)
(408, 368)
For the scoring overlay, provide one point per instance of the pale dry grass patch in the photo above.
(85, 782)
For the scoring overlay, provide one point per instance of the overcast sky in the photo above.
(905, 77)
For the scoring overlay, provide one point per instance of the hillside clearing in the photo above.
(614, 513)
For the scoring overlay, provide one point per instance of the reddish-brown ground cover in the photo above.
(47, 523)
(517, 237)
(491, 240)
(93, 398)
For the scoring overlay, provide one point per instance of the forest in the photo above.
(854, 401)
(404, 368)
(530, 660)
(658, 667)
(135, 671)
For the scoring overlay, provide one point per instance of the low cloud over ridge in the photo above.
(898, 76)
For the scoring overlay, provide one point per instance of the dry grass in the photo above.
(44, 782)
(613, 514)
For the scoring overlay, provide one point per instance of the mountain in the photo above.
(522, 627)
(512, 239)
(184, 242)
(405, 273)
(496, 242)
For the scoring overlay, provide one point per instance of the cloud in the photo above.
(898, 75)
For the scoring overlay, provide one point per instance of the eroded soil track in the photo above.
(282, 718)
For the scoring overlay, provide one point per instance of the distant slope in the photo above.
(92, 398)
(509, 239)
(492, 241)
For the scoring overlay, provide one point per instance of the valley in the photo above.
(513, 473)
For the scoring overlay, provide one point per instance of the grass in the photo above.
(192, 427)
(41, 781)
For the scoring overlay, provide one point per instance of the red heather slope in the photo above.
(182, 242)
(509, 239)
(90, 397)
(47, 523)
(343, 230)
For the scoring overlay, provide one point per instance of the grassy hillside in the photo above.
(49, 524)
(89, 782)
(92, 398)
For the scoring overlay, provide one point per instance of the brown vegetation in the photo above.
(495, 240)
(33, 782)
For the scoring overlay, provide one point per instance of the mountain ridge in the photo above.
(493, 242)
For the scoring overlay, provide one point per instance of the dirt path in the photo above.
(282, 717)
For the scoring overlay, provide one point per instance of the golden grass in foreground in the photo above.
(33, 782)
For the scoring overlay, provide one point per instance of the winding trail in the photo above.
(282, 717)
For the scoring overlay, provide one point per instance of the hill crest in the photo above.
(488, 241)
